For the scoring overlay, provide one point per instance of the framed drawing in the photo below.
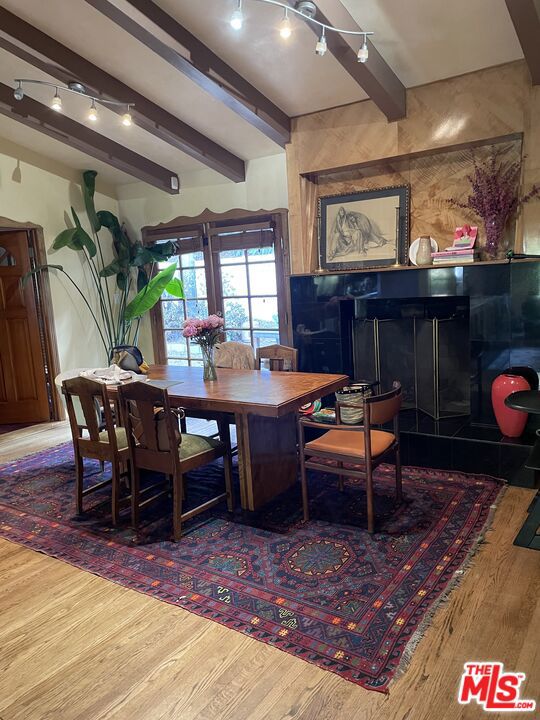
(364, 230)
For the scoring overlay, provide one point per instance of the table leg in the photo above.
(267, 457)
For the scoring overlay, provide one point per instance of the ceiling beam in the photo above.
(43, 52)
(375, 76)
(204, 68)
(525, 15)
(35, 115)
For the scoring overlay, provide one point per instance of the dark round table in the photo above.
(529, 535)
(524, 400)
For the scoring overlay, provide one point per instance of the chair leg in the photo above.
(135, 490)
(303, 479)
(115, 492)
(369, 491)
(178, 489)
(341, 477)
(399, 487)
(79, 480)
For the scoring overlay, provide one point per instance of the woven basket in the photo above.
(353, 395)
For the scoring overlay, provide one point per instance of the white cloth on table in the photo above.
(113, 375)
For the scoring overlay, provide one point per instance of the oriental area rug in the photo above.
(326, 591)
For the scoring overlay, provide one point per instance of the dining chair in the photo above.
(170, 452)
(356, 445)
(106, 441)
(279, 357)
(236, 355)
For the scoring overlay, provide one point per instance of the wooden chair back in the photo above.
(380, 409)
(140, 402)
(279, 357)
(89, 393)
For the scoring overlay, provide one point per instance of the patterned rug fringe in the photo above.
(444, 597)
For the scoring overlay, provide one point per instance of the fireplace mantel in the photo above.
(399, 268)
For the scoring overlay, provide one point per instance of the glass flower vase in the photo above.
(209, 366)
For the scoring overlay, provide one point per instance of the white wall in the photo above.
(37, 190)
(265, 188)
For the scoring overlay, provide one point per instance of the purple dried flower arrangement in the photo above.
(495, 196)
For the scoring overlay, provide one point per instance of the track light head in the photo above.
(127, 120)
(18, 93)
(363, 53)
(56, 102)
(322, 46)
(93, 113)
(285, 26)
(237, 18)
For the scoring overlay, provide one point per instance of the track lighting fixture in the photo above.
(237, 18)
(285, 27)
(76, 88)
(93, 113)
(308, 11)
(322, 46)
(18, 93)
(56, 102)
(127, 120)
(363, 53)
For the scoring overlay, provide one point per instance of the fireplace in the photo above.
(445, 333)
(423, 343)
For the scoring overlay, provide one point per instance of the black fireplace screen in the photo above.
(423, 343)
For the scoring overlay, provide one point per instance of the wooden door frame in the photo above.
(164, 231)
(44, 306)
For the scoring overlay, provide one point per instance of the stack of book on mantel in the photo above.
(461, 251)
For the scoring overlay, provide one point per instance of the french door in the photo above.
(231, 267)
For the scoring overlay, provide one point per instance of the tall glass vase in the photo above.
(209, 367)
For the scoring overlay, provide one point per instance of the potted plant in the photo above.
(137, 286)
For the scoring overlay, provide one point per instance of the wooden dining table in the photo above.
(264, 405)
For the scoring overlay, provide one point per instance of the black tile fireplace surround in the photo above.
(496, 307)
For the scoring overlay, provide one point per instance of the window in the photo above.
(233, 267)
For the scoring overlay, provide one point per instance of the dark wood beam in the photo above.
(525, 15)
(43, 52)
(375, 76)
(204, 68)
(35, 115)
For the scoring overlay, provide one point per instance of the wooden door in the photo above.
(23, 386)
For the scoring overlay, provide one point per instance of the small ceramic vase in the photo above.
(423, 256)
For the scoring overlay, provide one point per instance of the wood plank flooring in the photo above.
(75, 646)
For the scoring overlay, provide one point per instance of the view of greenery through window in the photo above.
(248, 298)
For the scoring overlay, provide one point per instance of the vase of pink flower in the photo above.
(205, 332)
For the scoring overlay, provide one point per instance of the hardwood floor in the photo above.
(75, 646)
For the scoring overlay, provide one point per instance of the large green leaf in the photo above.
(110, 221)
(142, 279)
(176, 288)
(89, 188)
(149, 296)
(26, 277)
(112, 268)
(82, 236)
(67, 238)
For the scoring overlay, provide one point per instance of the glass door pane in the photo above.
(191, 271)
(249, 299)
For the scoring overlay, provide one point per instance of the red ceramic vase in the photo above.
(511, 422)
